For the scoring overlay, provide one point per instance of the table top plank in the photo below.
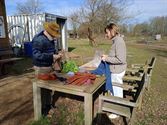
(97, 84)
(58, 85)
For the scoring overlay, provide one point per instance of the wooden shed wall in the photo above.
(4, 42)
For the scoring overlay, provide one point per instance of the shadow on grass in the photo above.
(101, 119)
(71, 49)
(99, 44)
(162, 53)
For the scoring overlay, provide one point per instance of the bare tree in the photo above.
(90, 14)
(158, 25)
(100, 12)
(75, 22)
(29, 7)
(92, 40)
(96, 14)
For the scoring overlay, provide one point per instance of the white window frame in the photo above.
(2, 27)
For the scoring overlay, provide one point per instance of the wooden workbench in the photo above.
(85, 91)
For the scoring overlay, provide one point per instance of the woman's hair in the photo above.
(112, 26)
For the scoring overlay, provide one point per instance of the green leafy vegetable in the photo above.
(70, 66)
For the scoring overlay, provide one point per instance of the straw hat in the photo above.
(52, 28)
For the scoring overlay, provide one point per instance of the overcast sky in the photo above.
(142, 9)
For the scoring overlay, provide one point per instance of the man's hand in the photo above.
(57, 56)
(62, 51)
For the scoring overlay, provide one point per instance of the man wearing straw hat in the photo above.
(44, 54)
(44, 51)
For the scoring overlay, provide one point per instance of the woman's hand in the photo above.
(103, 57)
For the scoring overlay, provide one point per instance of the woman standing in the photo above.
(116, 57)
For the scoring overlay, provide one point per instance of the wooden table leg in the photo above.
(37, 101)
(88, 109)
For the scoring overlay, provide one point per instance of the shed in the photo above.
(4, 40)
(22, 28)
(158, 37)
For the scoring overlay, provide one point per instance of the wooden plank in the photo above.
(54, 85)
(88, 108)
(9, 60)
(149, 73)
(117, 109)
(132, 70)
(125, 86)
(6, 52)
(138, 64)
(133, 78)
(37, 101)
(152, 62)
(118, 100)
(96, 85)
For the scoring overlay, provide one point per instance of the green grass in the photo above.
(83, 48)
(154, 104)
(154, 100)
(42, 121)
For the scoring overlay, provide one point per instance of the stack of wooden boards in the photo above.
(139, 81)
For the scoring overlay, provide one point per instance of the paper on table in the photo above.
(93, 64)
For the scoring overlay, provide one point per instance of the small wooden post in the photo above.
(88, 109)
(37, 101)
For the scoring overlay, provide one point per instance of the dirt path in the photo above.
(16, 106)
